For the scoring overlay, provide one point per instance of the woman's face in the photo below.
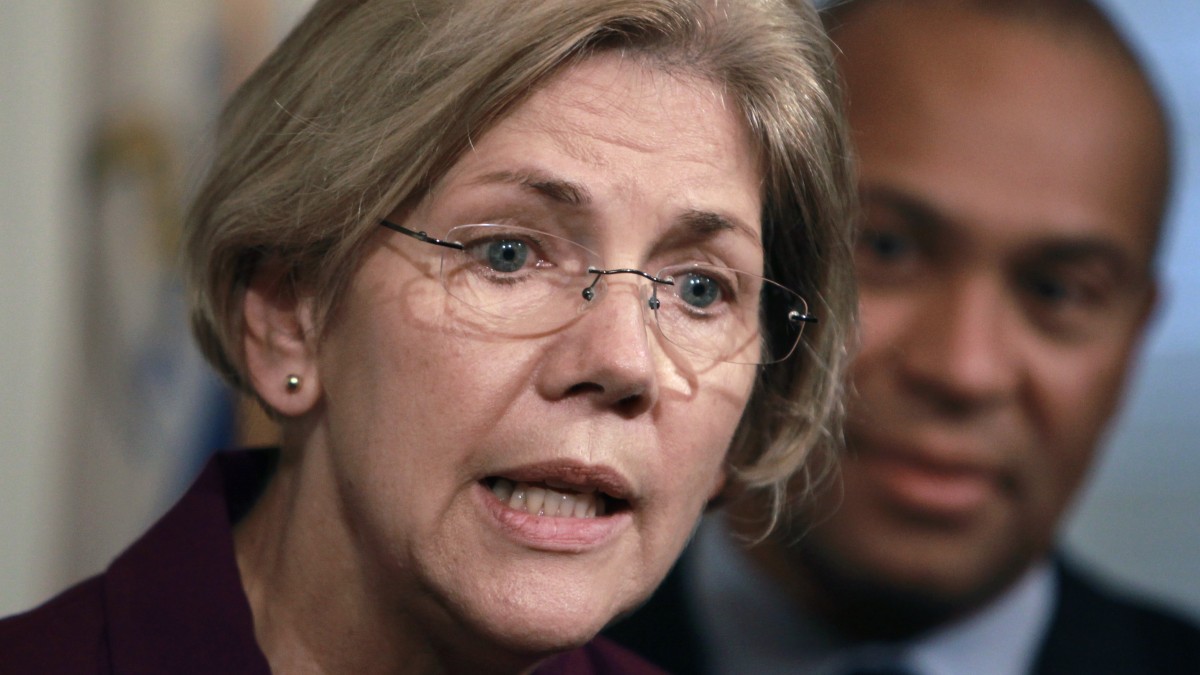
(433, 422)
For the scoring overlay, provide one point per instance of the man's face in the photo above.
(1011, 178)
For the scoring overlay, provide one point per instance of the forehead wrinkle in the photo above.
(572, 136)
(606, 104)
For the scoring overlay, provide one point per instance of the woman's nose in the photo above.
(606, 357)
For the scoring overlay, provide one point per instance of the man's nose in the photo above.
(961, 345)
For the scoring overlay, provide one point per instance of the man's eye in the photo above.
(1053, 290)
(885, 246)
(1069, 290)
(1067, 306)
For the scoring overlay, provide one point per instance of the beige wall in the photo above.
(41, 124)
(104, 111)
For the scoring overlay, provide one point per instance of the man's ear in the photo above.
(279, 342)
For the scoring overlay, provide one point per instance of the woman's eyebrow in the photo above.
(692, 224)
(699, 224)
(553, 188)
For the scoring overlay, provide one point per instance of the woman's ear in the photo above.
(280, 343)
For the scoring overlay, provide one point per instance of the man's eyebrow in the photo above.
(1069, 251)
(1051, 248)
(910, 208)
(553, 188)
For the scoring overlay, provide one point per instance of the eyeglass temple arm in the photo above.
(421, 236)
(588, 293)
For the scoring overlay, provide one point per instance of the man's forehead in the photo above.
(1031, 137)
(1007, 129)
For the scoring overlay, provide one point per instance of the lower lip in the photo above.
(928, 490)
(560, 535)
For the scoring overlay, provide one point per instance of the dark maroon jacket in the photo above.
(173, 602)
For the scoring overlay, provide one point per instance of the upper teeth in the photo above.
(545, 501)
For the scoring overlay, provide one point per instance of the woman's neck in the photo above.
(305, 582)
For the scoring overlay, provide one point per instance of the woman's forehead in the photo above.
(612, 130)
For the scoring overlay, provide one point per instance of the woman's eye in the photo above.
(503, 255)
(698, 290)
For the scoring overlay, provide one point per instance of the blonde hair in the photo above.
(368, 103)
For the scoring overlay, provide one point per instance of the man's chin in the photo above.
(875, 596)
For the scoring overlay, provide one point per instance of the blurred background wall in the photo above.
(1139, 521)
(106, 411)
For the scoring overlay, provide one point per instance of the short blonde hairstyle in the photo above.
(368, 103)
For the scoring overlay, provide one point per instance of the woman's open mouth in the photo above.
(559, 506)
(554, 499)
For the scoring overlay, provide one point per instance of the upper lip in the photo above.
(573, 474)
(943, 456)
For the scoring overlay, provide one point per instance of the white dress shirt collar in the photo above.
(750, 625)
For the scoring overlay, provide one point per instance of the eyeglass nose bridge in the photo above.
(589, 293)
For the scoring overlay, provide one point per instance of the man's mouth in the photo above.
(552, 499)
(934, 485)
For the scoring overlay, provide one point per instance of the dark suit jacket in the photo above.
(1093, 631)
(173, 602)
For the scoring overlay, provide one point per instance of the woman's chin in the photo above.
(540, 641)
(539, 625)
(497, 645)
(516, 594)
